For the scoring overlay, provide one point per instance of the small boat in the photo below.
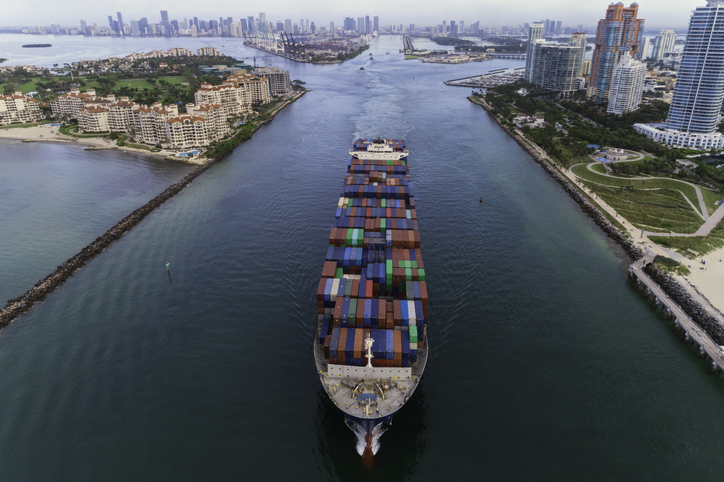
(368, 86)
(371, 58)
(361, 68)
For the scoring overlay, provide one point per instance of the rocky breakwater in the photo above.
(681, 297)
(45, 286)
(611, 231)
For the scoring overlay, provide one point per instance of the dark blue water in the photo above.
(545, 364)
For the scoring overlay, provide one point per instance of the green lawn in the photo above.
(695, 245)
(582, 172)
(710, 198)
(663, 210)
(599, 167)
(31, 124)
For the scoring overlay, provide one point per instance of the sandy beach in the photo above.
(45, 133)
(708, 277)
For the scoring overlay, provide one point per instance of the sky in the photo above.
(657, 13)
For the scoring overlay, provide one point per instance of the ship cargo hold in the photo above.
(371, 345)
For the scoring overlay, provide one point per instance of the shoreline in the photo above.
(699, 308)
(17, 306)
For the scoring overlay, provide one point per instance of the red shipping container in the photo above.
(382, 313)
(329, 270)
(360, 312)
(342, 343)
(327, 344)
(320, 289)
(423, 296)
(355, 288)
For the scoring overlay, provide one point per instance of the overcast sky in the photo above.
(657, 13)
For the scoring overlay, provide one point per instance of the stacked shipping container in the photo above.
(373, 280)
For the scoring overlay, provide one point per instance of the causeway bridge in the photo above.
(506, 56)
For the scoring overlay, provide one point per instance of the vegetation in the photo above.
(694, 245)
(341, 56)
(452, 41)
(668, 264)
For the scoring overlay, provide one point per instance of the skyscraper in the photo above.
(368, 26)
(377, 24)
(288, 25)
(645, 49)
(120, 23)
(558, 27)
(547, 28)
(619, 31)
(262, 17)
(556, 67)
(663, 43)
(534, 34)
(627, 84)
(699, 91)
(453, 27)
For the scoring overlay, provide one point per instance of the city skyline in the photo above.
(665, 13)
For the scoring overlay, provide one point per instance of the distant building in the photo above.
(279, 81)
(645, 49)
(618, 32)
(663, 43)
(208, 52)
(627, 86)
(555, 67)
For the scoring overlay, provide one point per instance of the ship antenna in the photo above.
(369, 355)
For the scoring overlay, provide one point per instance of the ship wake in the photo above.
(361, 435)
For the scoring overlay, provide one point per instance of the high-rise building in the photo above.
(368, 26)
(627, 84)
(360, 25)
(110, 23)
(143, 26)
(556, 67)
(547, 28)
(534, 34)
(586, 67)
(663, 43)
(288, 25)
(280, 26)
(619, 31)
(558, 27)
(83, 26)
(699, 92)
(377, 24)
(412, 27)
(262, 17)
(120, 23)
(331, 27)
(645, 49)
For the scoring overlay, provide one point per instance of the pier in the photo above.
(670, 309)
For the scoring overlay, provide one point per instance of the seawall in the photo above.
(41, 289)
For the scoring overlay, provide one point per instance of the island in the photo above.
(36, 46)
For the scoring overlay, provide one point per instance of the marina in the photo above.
(491, 79)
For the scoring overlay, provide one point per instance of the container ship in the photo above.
(371, 345)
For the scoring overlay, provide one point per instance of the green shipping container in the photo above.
(413, 334)
(408, 274)
(421, 274)
(339, 273)
(414, 264)
(388, 268)
(384, 203)
(349, 237)
(383, 223)
(409, 291)
(351, 316)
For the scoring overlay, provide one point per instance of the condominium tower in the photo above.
(618, 32)
(699, 92)
(627, 85)
(556, 67)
